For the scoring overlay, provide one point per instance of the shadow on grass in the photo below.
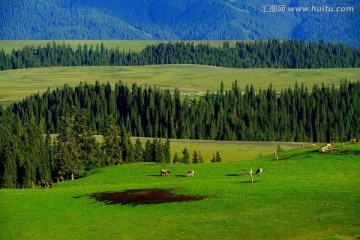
(155, 175)
(143, 196)
(297, 155)
(249, 181)
(180, 175)
(233, 175)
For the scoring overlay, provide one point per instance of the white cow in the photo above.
(190, 173)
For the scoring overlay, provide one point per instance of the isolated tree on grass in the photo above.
(176, 158)
(216, 157)
(195, 157)
(200, 158)
(186, 156)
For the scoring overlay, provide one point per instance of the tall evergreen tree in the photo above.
(186, 156)
(111, 143)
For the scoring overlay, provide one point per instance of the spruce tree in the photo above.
(186, 156)
(111, 143)
(195, 158)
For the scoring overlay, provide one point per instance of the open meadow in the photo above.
(189, 79)
(303, 195)
(230, 151)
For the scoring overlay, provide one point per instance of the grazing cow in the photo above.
(43, 184)
(353, 140)
(190, 173)
(259, 171)
(46, 184)
(244, 172)
(313, 145)
(164, 172)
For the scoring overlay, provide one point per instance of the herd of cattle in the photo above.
(46, 183)
(190, 173)
(163, 172)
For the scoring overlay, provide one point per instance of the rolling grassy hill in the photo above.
(304, 195)
(189, 79)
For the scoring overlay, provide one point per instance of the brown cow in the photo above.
(244, 172)
(353, 140)
(164, 172)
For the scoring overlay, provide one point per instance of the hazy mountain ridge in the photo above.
(177, 20)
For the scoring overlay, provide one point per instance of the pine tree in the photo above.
(148, 152)
(167, 153)
(195, 158)
(176, 159)
(217, 157)
(157, 151)
(186, 157)
(139, 151)
(200, 158)
(111, 143)
(213, 158)
(66, 161)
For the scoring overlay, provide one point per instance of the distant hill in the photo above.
(307, 20)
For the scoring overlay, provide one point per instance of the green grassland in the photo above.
(304, 195)
(133, 45)
(230, 151)
(189, 79)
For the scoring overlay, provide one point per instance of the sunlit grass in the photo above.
(304, 195)
(193, 80)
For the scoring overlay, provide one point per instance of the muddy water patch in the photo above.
(143, 196)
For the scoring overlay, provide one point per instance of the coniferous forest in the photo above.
(257, 54)
(28, 153)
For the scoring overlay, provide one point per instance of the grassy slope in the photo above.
(306, 195)
(190, 79)
(230, 151)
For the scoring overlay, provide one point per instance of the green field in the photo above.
(189, 79)
(304, 195)
(230, 151)
(133, 45)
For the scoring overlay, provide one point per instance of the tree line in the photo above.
(324, 113)
(321, 114)
(256, 54)
(27, 156)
